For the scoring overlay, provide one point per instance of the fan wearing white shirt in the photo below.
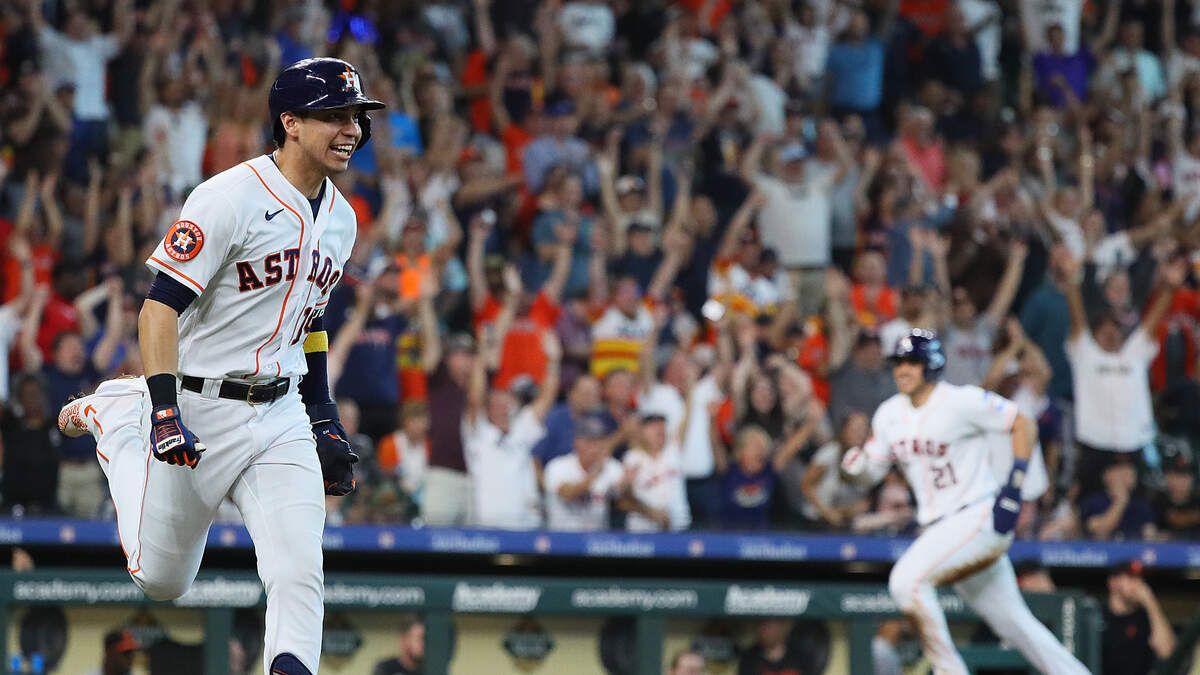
(657, 499)
(498, 439)
(1114, 416)
(581, 485)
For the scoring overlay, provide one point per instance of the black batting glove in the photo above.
(333, 449)
(170, 441)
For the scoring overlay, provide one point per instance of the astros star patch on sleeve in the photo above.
(183, 241)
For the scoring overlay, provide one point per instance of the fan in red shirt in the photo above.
(503, 310)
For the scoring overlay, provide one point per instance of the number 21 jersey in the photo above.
(942, 446)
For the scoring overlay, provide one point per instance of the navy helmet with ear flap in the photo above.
(320, 84)
(921, 346)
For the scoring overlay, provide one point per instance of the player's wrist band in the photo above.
(322, 412)
(162, 389)
(1017, 475)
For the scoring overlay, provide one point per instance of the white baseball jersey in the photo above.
(247, 243)
(658, 483)
(589, 513)
(942, 446)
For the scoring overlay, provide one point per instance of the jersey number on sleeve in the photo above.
(943, 476)
(309, 315)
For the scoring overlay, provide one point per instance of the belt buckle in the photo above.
(250, 394)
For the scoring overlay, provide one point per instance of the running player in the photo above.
(937, 434)
(236, 400)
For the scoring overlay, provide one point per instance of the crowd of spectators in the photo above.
(640, 264)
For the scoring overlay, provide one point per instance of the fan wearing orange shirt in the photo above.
(506, 311)
(874, 302)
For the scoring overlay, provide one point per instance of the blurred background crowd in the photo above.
(639, 265)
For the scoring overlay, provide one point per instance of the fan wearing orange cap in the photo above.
(1136, 632)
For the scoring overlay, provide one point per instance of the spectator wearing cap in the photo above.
(498, 437)
(657, 498)
(1114, 415)
(795, 217)
(119, 649)
(1136, 632)
(583, 399)
(560, 147)
(860, 382)
(449, 498)
(630, 199)
(1177, 507)
(1117, 512)
(581, 485)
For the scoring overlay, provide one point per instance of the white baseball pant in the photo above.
(264, 458)
(964, 549)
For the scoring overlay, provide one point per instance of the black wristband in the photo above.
(162, 389)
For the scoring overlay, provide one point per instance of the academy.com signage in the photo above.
(614, 597)
(496, 597)
(359, 595)
(766, 600)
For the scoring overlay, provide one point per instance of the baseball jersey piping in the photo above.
(181, 274)
(291, 284)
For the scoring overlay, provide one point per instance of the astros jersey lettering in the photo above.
(247, 243)
(942, 446)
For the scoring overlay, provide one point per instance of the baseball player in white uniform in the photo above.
(236, 400)
(937, 434)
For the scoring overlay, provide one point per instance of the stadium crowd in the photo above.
(640, 264)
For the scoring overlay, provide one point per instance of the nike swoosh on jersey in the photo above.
(272, 215)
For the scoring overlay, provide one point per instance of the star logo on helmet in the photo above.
(353, 83)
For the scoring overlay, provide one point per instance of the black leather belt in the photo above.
(238, 391)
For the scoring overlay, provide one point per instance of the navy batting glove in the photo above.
(1008, 503)
(333, 449)
(170, 441)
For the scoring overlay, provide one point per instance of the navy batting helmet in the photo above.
(320, 84)
(921, 346)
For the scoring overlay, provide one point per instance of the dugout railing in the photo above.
(1075, 618)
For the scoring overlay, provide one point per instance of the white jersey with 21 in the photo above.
(263, 266)
(942, 447)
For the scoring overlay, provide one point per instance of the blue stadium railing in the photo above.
(689, 545)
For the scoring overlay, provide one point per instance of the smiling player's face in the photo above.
(328, 137)
(909, 376)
